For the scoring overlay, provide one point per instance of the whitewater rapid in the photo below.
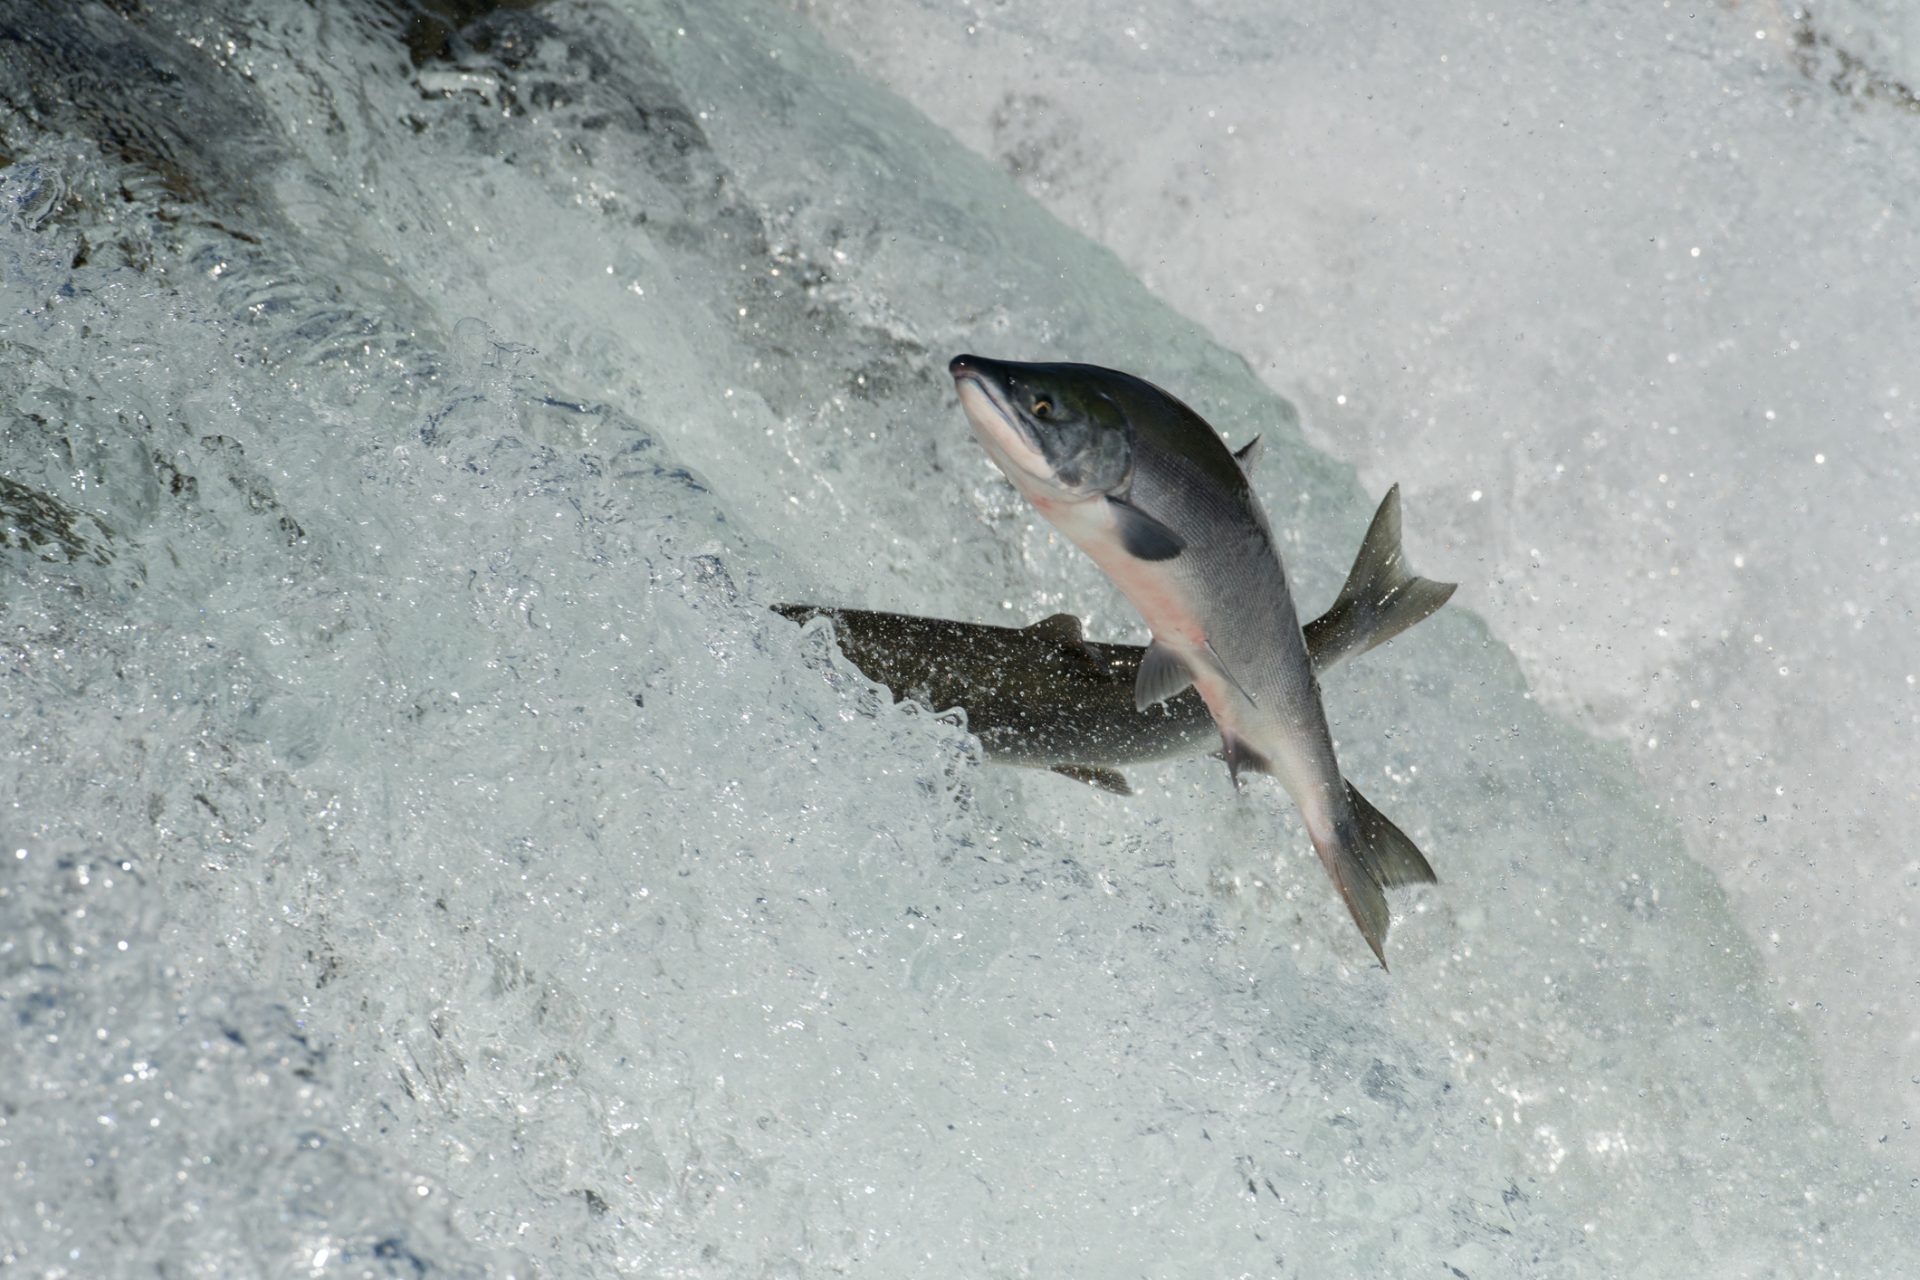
(424, 853)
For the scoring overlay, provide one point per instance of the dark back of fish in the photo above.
(1033, 695)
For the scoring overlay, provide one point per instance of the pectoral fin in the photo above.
(1161, 676)
(1382, 596)
(1095, 776)
(1143, 536)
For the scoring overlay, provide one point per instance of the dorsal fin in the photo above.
(1248, 455)
(1382, 596)
(1063, 627)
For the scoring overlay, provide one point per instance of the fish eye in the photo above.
(1043, 408)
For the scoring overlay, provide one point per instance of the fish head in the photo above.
(1055, 429)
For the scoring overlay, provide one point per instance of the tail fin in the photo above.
(1364, 857)
(1393, 859)
(1382, 596)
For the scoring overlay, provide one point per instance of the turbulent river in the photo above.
(422, 853)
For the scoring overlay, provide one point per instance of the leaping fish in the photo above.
(1046, 697)
(1147, 488)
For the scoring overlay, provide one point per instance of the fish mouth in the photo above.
(964, 367)
(1008, 440)
(981, 372)
(971, 373)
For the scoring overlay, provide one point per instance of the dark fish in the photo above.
(1046, 697)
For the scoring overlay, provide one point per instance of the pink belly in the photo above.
(1149, 587)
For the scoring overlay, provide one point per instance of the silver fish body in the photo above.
(1147, 488)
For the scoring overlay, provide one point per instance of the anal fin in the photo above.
(1239, 756)
(1095, 776)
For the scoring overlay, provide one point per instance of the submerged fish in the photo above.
(1046, 697)
(1146, 487)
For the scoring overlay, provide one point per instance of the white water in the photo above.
(424, 854)
(1623, 296)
